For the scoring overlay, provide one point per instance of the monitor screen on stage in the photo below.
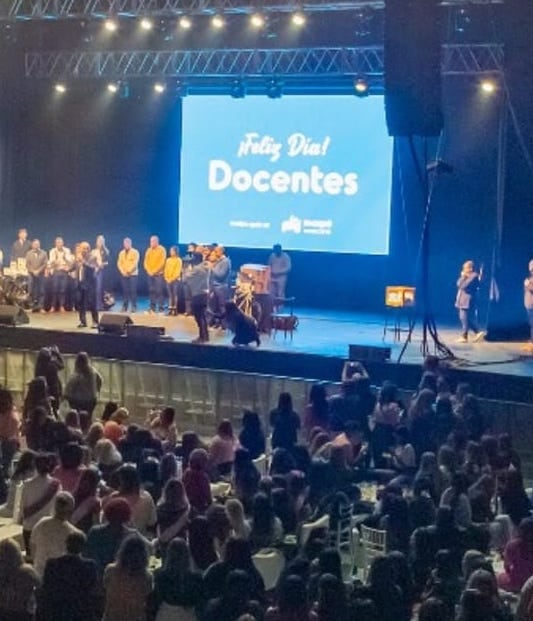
(310, 172)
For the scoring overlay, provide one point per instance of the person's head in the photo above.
(178, 559)
(472, 560)
(82, 363)
(353, 432)
(11, 560)
(126, 243)
(174, 494)
(423, 402)
(100, 242)
(191, 248)
(22, 234)
(35, 244)
(462, 389)
(120, 416)
(446, 458)
(434, 609)
(401, 435)
(285, 402)
(277, 250)
(109, 408)
(525, 533)
(331, 596)
(25, 466)
(189, 442)
(154, 241)
(513, 483)
(445, 564)
(282, 462)
(319, 440)
(468, 267)
(117, 512)
(59, 243)
(428, 463)
(95, 433)
(251, 421)
(505, 443)
(72, 419)
(37, 390)
(329, 562)
(225, 429)
(75, 543)
(292, 596)
(444, 408)
(235, 512)
(428, 381)
(238, 553)
(262, 514)
(84, 249)
(132, 555)
(63, 506)
(281, 505)
(198, 459)
(71, 456)
(168, 468)
(382, 574)
(474, 606)
(87, 485)
(167, 416)
(129, 482)
(174, 251)
(444, 520)
(219, 524)
(485, 582)
(44, 463)
(318, 394)
(388, 393)
(219, 252)
(201, 542)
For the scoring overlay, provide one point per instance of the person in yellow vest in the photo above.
(173, 267)
(128, 266)
(154, 264)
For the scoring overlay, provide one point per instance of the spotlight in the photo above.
(274, 89)
(257, 20)
(159, 88)
(60, 88)
(218, 21)
(185, 23)
(298, 19)
(462, 20)
(488, 86)
(112, 87)
(146, 24)
(361, 87)
(110, 25)
(238, 89)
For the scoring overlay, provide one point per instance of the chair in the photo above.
(220, 489)
(374, 544)
(269, 563)
(306, 529)
(261, 463)
(286, 322)
(342, 539)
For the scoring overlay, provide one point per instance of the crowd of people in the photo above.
(129, 522)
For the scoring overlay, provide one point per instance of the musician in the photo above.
(280, 266)
(36, 264)
(220, 277)
(197, 280)
(85, 273)
(101, 255)
(21, 246)
(154, 264)
(172, 274)
(128, 266)
(60, 263)
(467, 301)
(528, 303)
(243, 327)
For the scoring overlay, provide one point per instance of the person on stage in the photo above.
(528, 303)
(172, 274)
(21, 246)
(85, 273)
(128, 266)
(187, 267)
(154, 264)
(197, 280)
(60, 263)
(280, 266)
(220, 277)
(101, 255)
(36, 264)
(243, 327)
(466, 302)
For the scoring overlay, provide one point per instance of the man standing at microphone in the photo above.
(466, 302)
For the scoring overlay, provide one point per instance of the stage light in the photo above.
(112, 87)
(218, 22)
(159, 88)
(361, 87)
(298, 19)
(110, 25)
(146, 24)
(185, 23)
(238, 89)
(488, 87)
(257, 20)
(274, 89)
(60, 88)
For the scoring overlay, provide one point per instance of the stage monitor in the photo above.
(310, 172)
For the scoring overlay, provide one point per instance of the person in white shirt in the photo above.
(60, 264)
(280, 266)
(49, 536)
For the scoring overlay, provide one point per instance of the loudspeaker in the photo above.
(145, 333)
(366, 353)
(413, 89)
(114, 323)
(12, 315)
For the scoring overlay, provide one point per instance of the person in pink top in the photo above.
(518, 558)
(9, 428)
(69, 471)
(222, 448)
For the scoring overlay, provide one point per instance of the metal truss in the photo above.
(87, 9)
(236, 63)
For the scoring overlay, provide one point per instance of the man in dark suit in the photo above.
(466, 302)
(70, 590)
(21, 246)
(86, 266)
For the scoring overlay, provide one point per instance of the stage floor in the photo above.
(328, 333)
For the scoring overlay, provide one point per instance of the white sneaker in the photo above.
(479, 336)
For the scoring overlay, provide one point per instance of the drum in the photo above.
(259, 275)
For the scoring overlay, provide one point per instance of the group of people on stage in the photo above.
(200, 277)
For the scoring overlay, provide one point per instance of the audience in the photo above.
(252, 437)
(18, 583)
(285, 423)
(222, 448)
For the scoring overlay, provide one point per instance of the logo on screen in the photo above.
(292, 225)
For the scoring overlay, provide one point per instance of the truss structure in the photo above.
(97, 9)
(238, 63)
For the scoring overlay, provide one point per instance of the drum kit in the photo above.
(14, 291)
(252, 280)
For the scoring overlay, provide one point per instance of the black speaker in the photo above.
(145, 333)
(114, 323)
(11, 315)
(413, 89)
(366, 353)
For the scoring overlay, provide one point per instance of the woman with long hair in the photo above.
(252, 436)
(83, 386)
(266, 528)
(48, 364)
(285, 423)
(128, 583)
(222, 448)
(164, 428)
(101, 255)
(87, 504)
(172, 514)
(245, 477)
(456, 498)
(19, 582)
(24, 470)
(332, 603)
(385, 419)
(292, 602)
(178, 590)
(9, 431)
(316, 412)
(196, 481)
(37, 396)
(235, 512)
(513, 497)
(518, 558)
(201, 543)
(422, 422)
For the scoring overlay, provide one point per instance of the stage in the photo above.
(317, 350)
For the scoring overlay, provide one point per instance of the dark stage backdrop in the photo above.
(83, 166)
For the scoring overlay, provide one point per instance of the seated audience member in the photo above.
(472, 560)
(49, 535)
(87, 504)
(83, 386)
(172, 514)
(292, 602)
(513, 497)
(481, 495)
(222, 448)
(471, 418)
(281, 505)
(317, 443)
(507, 454)
(384, 591)
(127, 582)
(395, 521)
(252, 437)
(351, 441)
(168, 469)
(115, 428)
(245, 477)
(104, 540)
(189, 442)
(332, 603)
(384, 420)
(445, 582)
(18, 582)
(70, 589)
(403, 458)
(235, 512)
(107, 457)
(95, 433)
(266, 528)
(282, 462)
(524, 610)
(484, 582)
(422, 422)
(489, 446)
(9, 429)
(196, 481)
(446, 460)
(37, 498)
(422, 510)
(235, 601)
(178, 590)
(143, 513)
(518, 558)
(316, 412)
(328, 563)
(219, 526)
(445, 535)
(24, 470)
(445, 421)
(163, 427)
(72, 421)
(244, 328)
(237, 555)
(285, 423)
(37, 395)
(70, 467)
(109, 408)
(429, 471)
(456, 498)
(38, 429)
(201, 543)
(433, 609)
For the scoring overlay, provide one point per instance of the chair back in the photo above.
(261, 463)
(374, 543)
(269, 563)
(305, 532)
